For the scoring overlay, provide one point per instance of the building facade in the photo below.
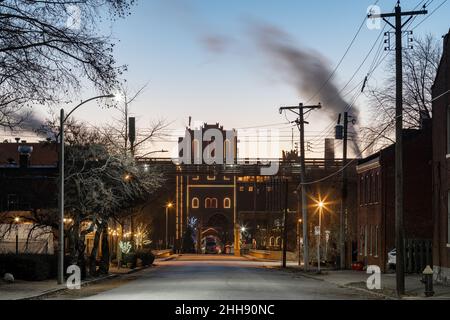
(441, 167)
(376, 201)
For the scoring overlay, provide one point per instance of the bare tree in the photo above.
(420, 65)
(118, 131)
(49, 48)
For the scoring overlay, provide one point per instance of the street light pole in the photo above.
(167, 227)
(168, 206)
(319, 235)
(62, 121)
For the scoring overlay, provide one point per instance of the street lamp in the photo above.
(63, 120)
(299, 245)
(320, 206)
(168, 206)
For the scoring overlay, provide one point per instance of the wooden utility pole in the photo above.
(300, 122)
(342, 236)
(399, 228)
(285, 218)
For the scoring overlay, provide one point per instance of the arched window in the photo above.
(272, 241)
(214, 203)
(208, 203)
(195, 203)
(278, 242)
(227, 203)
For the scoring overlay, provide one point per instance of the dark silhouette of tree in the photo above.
(49, 49)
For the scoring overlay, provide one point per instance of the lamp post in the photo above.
(63, 120)
(168, 206)
(299, 244)
(320, 206)
(17, 220)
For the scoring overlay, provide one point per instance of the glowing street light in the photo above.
(169, 205)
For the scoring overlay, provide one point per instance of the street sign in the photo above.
(317, 230)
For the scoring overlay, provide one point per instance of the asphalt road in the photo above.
(219, 278)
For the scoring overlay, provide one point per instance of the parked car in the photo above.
(392, 258)
(211, 246)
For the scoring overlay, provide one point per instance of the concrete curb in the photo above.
(378, 294)
(83, 284)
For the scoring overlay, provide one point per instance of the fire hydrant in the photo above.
(427, 279)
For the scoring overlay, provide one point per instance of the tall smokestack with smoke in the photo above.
(306, 69)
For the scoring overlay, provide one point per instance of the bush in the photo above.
(130, 258)
(29, 267)
(146, 256)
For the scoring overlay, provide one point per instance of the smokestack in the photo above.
(329, 152)
(24, 155)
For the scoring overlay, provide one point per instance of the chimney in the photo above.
(425, 120)
(24, 155)
(329, 152)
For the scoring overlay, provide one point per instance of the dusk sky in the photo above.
(203, 59)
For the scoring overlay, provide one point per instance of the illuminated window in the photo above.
(211, 203)
(196, 178)
(227, 203)
(250, 189)
(241, 189)
(211, 178)
(226, 178)
(272, 241)
(195, 203)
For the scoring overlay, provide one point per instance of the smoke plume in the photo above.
(307, 70)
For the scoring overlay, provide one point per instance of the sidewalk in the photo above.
(357, 280)
(25, 290)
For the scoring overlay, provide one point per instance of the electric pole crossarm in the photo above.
(393, 14)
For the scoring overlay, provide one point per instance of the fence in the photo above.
(418, 254)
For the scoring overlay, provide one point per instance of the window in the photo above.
(448, 130)
(377, 230)
(211, 203)
(365, 241)
(448, 215)
(278, 242)
(241, 189)
(371, 241)
(195, 203)
(361, 191)
(196, 178)
(361, 241)
(250, 189)
(377, 187)
(225, 178)
(227, 203)
(272, 241)
(211, 178)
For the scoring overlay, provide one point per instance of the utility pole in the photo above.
(300, 122)
(285, 217)
(399, 228)
(342, 134)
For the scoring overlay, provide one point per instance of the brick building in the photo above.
(376, 200)
(441, 168)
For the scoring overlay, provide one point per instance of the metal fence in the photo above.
(418, 254)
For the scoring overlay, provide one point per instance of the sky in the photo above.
(205, 59)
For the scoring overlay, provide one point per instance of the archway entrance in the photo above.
(219, 228)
